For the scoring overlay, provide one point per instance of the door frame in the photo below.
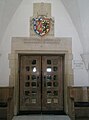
(57, 46)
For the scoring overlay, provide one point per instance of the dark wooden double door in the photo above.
(41, 83)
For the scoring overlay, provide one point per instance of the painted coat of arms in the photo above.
(41, 25)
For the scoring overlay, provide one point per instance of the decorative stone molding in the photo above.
(42, 9)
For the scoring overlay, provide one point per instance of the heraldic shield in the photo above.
(41, 25)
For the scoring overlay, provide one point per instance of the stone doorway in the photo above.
(52, 46)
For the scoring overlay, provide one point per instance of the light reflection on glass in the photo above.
(34, 69)
(49, 69)
(49, 101)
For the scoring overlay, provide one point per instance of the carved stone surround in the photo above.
(34, 45)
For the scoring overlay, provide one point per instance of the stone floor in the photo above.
(41, 117)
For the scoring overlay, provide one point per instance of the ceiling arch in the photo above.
(7, 10)
(78, 11)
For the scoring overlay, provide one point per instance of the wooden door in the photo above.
(41, 83)
(52, 83)
(30, 84)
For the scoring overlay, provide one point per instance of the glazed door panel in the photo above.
(30, 84)
(41, 83)
(52, 83)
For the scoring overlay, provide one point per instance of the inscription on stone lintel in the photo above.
(44, 41)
